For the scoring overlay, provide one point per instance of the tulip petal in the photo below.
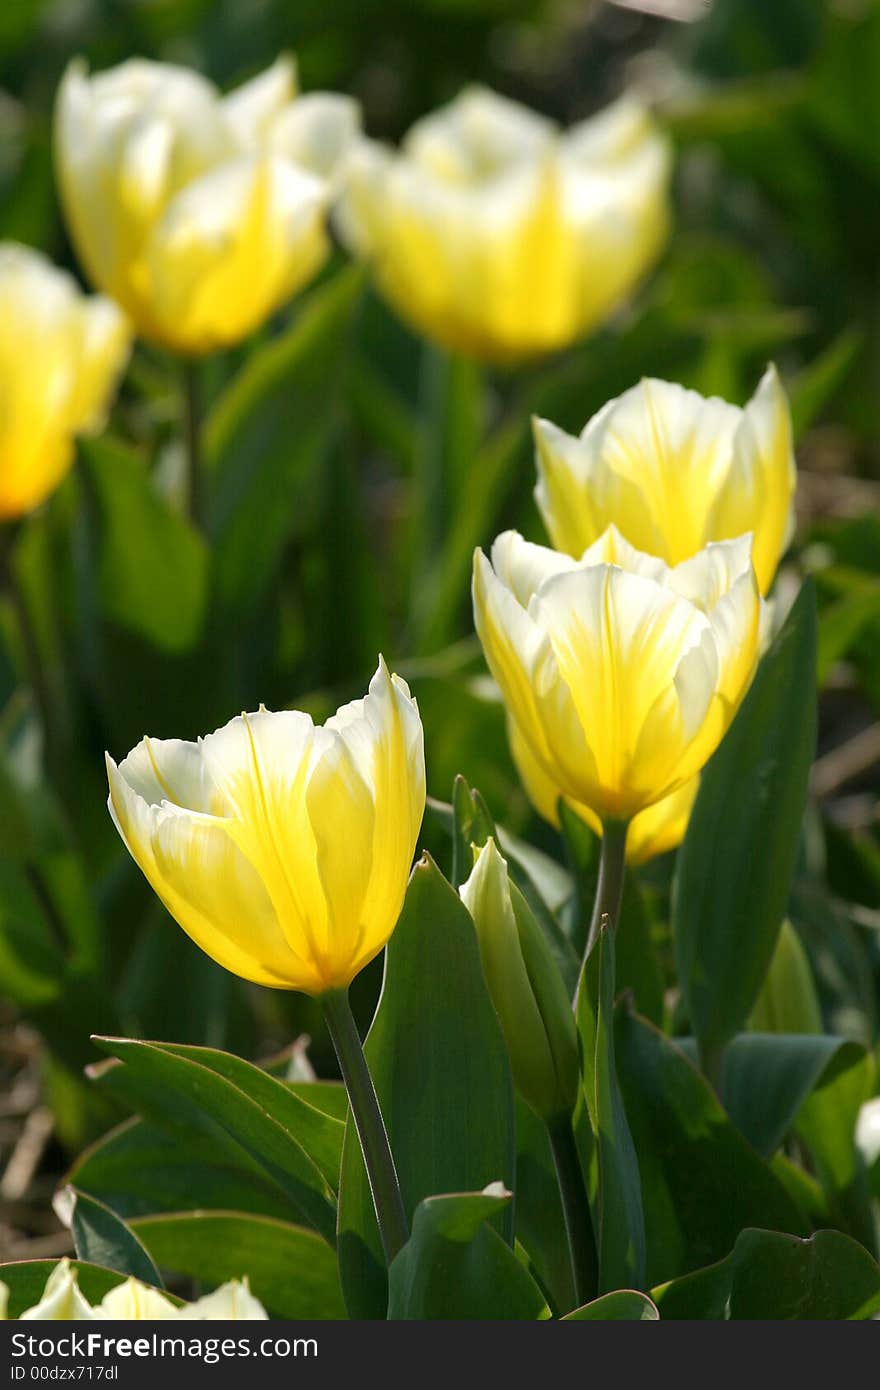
(134, 1301)
(618, 639)
(758, 492)
(252, 108)
(212, 890)
(61, 1300)
(383, 735)
(317, 131)
(234, 244)
(522, 566)
(232, 1302)
(479, 133)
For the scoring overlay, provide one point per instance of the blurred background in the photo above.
(354, 468)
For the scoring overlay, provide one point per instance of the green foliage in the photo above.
(291, 1271)
(729, 1031)
(778, 1277)
(615, 1186)
(102, 1238)
(736, 863)
(457, 1266)
(468, 1099)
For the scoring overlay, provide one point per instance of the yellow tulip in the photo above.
(61, 1300)
(622, 674)
(501, 236)
(133, 1301)
(653, 831)
(232, 1302)
(200, 214)
(673, 471)
(283, 849)
(61, 353)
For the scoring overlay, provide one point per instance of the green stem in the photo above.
(192, 432)
(609, 889)
(711, 1061)
(575, 1211)
(368, 1121)
(33, 658)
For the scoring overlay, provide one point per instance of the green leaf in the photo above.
(265, 1119)
(615, 1187)
(102, 1238)
(26, 1280)
(452, 407)
(140, 1170)
(540, 1226)
(788, 1002)
(766, 1078)
(813, 387)
(638, 969)
(456, 1266)
(735, 866)
(772, 1276)
(826, 1124)
(291, 1271)
(624, 1305)
(152, 566)
(440, 1068)
(702, 1182)
(267, 435)
(843, 622)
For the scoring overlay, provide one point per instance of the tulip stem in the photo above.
(368, 1122)
(192, 430)
(33, 658)
(609, 889)
(575, 1211)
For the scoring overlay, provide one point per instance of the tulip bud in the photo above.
(525, 986)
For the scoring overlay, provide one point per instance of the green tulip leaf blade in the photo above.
(623, 1305)
(263, 1120)
(291, 1270)
(767, 1077)
(140, 1169)
(615, 1185)
(457, 1266)
(152, 568)
(440, 1068)
(26, 1280)
(770, 1275)
(267, 435)
(702, 1181)
(103, 1238)
(737, 859)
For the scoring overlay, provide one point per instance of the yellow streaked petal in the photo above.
(758, 492)
(618, 640)
(195, 867)
(252, 109)
(232, 247)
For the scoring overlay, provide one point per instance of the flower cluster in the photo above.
(63, 1301)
